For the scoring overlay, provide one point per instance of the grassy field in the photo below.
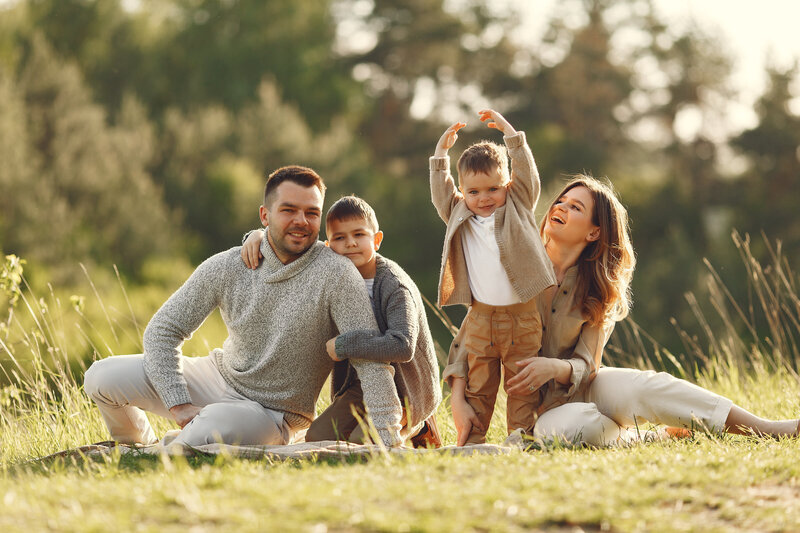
(704, 483)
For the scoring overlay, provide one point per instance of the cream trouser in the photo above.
(620, 400)
(121, 389)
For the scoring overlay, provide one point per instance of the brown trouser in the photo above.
(338, 422)
(496, 337)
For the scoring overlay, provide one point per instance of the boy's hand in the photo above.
(184, 413)
(330, 347)
(464, 416)
(251, 249)
(448, 139)
(497, 121)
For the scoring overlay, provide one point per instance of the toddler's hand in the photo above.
(465, 419)
(496, 121)
(448, 139)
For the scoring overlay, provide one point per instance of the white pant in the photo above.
(121, 389)
(623, 398)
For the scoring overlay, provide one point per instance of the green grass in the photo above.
(706, 483)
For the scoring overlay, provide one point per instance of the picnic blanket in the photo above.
(301, 450)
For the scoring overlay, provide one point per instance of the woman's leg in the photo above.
(577, 422)
(631, 397)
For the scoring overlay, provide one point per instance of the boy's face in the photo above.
(483, 193)
(356, 240)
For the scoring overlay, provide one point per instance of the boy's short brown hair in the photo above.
(482, 158)
(349, 208)
(303, 176)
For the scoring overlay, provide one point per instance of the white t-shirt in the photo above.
(488, 280)
(370, 284)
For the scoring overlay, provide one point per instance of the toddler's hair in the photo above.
(349, 208)
(482, 158)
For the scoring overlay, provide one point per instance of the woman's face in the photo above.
(569, 221)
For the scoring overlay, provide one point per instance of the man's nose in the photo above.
(300, 218)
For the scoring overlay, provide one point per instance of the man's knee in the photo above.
(95, 377)
(231, 423)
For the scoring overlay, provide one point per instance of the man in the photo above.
(261, 387)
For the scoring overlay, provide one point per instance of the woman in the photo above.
(587, 239)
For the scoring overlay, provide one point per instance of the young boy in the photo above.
(404, 339)
(494, 262)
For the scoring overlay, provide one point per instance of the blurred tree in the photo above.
(773, 148)
(90, 196)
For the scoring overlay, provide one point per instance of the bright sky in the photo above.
(751, 30)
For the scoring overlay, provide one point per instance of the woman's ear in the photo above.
(594, 234)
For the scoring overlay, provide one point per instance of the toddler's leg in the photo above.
(483, 371)
(526, 342)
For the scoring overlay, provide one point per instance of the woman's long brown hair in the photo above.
(605, 267)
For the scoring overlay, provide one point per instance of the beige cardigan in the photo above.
(521, 251)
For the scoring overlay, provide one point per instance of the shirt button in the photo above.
(565, 292)
(553, 310)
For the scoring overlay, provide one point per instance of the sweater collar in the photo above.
(277, 271)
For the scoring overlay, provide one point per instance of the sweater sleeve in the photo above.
(525, 183)
(174, 323)
(396, 344)
(444, 193)
(586, 358)
(351, 311)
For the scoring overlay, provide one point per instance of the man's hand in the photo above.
(536, 372)
(251, 249)
(330, 347)
(448, 139)
(184, 413)
(464, 416)
(496, 121)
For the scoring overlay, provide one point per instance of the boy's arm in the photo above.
(251, 247)
(350, 310)
(175, 322)
(396, 344)
(444, 193)
(525, 184)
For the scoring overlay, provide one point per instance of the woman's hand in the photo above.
(251, 249)
(464, 416)
(536, 372)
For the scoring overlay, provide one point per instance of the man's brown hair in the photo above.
(303, 176)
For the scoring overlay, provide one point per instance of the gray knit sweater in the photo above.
(278, 318)
(404, 340)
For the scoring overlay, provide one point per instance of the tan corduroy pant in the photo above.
(495, 338)
(616, 405)
(122, 391)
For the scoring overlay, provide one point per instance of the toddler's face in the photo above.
(484, 193)
(354, 239)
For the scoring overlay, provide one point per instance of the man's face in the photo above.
(292, 220)
(484, 193)
(356, 240)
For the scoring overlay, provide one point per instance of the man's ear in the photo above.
(378, 239)
(594, 234)
(263, 214)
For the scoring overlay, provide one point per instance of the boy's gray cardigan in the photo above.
(278, 318)
(404, 341)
